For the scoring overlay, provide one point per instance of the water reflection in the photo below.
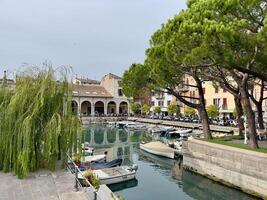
(157, 177)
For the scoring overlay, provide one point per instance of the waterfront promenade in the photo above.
(42, 185)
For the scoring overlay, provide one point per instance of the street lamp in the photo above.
(244, 117)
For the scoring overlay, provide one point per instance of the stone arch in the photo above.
(99, 108)
(111, 107)
(74, 107)
(123, 107)
(86, 108)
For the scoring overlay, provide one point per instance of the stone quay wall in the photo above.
(243, 169)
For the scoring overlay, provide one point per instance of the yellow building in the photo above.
(219, 97)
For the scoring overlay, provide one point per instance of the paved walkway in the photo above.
(43, 185)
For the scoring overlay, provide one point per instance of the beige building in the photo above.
(219, 97)
(213, 96)
(105, 97)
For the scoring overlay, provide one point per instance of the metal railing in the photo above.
(89, 189)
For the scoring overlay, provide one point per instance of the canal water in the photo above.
(157, 178)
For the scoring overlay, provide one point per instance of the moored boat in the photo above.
(95, 158)
(158, 148)
(114, 175)
(102, 164)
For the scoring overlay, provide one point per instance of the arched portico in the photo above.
(123, 107)
(86, 108)
(111, 107)
(99, 108)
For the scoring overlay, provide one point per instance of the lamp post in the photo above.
(244, 117)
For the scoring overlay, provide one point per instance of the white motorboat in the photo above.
(182, 131)
(136, 126)
(115, 174)
(112, 124)
(124, 124)
(158, 148)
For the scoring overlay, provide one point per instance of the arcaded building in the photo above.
(105, 97)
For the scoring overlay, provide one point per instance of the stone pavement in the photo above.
(42, 185)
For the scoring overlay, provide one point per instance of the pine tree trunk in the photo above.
(250, 117)
(205, 122)
(202, 110)
(239, 110)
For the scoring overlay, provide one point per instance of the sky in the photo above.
(94, 37)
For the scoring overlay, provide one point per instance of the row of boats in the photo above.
(170, 141)
(108, 172)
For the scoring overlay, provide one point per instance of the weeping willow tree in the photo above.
(37, 126)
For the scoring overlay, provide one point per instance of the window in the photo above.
(168, 102)
(120, 92)
(224, 90)
(119, 83)
(224, 106)
(216, 102)
(216, 90)
(160, 103)
(152, 103)
(193, 93)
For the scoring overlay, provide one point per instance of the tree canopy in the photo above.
(37, 125)
(135, 107)
(213, 111)
(157, 109)
(172, 109)
(144, 109)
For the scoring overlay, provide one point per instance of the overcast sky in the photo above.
(95, 37)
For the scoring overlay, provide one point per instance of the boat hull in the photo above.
(155, 152)
(119, 179)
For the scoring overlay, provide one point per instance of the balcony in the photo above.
(224, 107)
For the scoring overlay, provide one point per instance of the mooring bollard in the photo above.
(95, 195)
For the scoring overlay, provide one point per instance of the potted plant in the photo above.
(77, 160)
(92, 178)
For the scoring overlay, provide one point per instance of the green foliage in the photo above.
(36, 123)
(172, 109)
(135, 80)
(135, 107)
(213, 111)
(92, 178)
(144, 109)
(157, 109)
(190, 111)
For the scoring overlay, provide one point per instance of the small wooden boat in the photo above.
(158, 148)
(114, 175)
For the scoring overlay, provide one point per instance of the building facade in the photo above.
(161, 99)
(97, 98)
